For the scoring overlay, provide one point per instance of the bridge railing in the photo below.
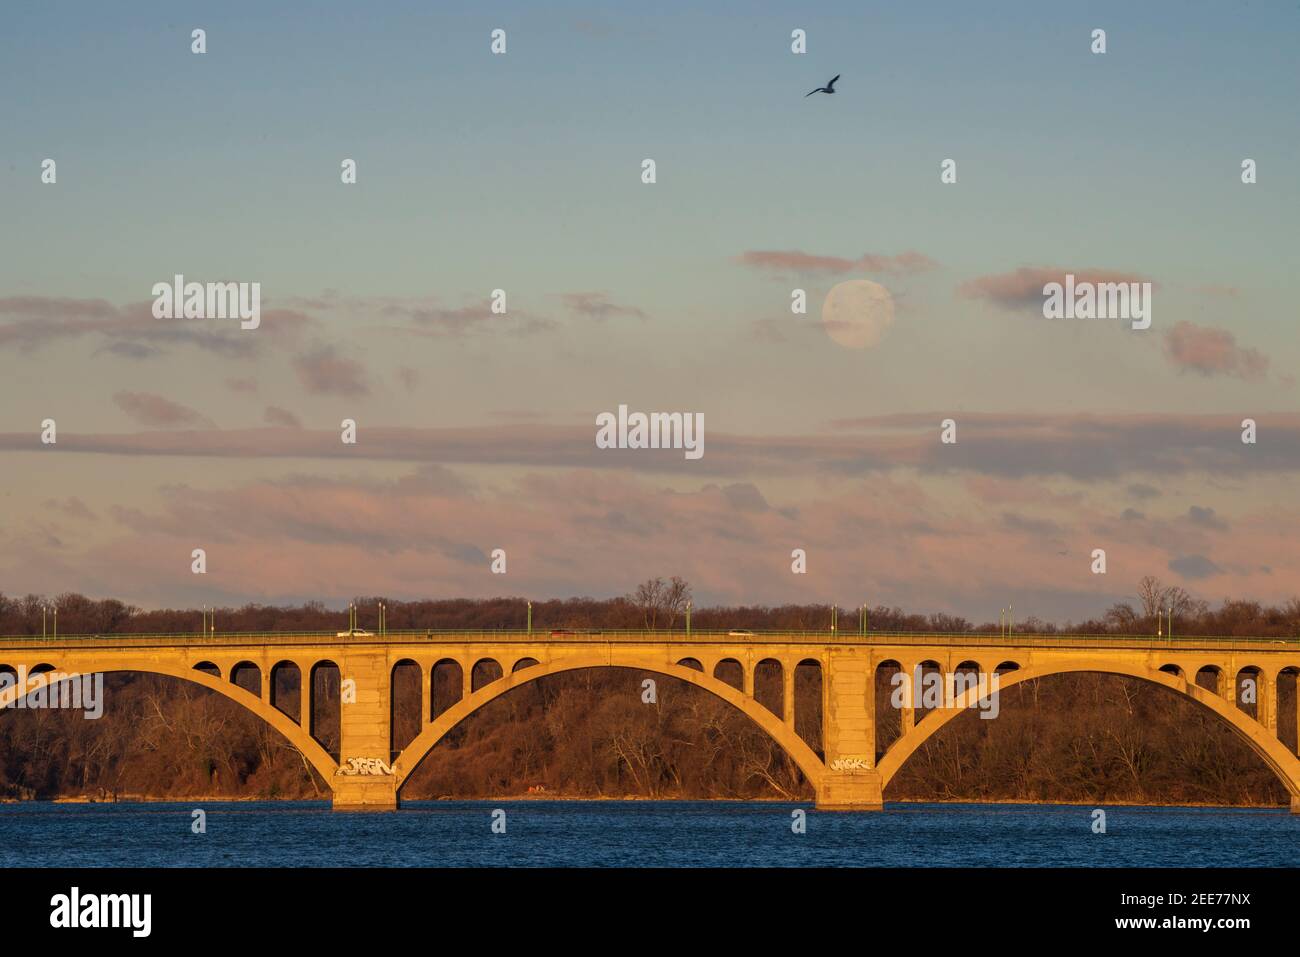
(733, 636)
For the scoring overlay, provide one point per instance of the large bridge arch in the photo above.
(313, 752)
(793, 745)
(1258, 738)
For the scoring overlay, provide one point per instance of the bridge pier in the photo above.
(364, 780)
(371, 792)
(851, 781)
(852, 791)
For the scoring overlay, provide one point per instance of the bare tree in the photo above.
(1159, 600)
(657, 599)
(676, 598)
(1177, 602)
(1151, 594)
(1122, 617)
(1292, 613)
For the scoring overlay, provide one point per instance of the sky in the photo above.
(524, 172)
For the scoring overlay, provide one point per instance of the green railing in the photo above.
(696, 636)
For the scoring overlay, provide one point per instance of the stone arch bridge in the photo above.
(849, 773)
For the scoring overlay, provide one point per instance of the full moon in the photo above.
(857, 313)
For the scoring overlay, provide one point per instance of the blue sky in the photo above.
(522, 172)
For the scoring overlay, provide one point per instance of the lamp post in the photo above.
(530, 617)
(688, 619)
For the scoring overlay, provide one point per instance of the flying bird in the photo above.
(828, 88)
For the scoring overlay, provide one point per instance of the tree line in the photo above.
(655, 604)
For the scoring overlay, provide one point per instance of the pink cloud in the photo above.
(586, 532)
(324, 372)
(72, 507)
(275, 415)
(1208, 351)
(155, 411)
(1024, 286)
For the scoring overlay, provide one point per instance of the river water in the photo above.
(640, 834)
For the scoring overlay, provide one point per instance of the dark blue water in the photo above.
(639, 834)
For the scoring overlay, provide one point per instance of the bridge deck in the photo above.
(563, 637)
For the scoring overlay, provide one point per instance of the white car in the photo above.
(355, 634)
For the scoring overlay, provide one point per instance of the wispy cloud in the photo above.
(1023, 287)
(323, 371)
(598, 305)
(1084, 447)
(780, 262)
(430, 316)
(157, 411)
(572, 532)
(274, 415)
(28, 323)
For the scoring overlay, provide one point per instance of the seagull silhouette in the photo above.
(828, 88)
